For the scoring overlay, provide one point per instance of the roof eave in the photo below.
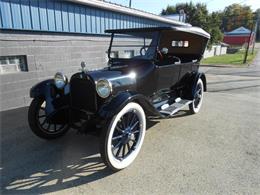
(126, 10)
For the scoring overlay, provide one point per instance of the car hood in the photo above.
(118, 78)
(104, 74)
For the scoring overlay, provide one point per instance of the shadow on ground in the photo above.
(32, 165)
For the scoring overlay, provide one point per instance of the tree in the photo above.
(214, 21)
(257, 17)
(198, 15)
(237, 15)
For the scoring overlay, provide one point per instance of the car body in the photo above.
(151, 72)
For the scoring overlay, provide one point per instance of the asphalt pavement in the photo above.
(216, 151)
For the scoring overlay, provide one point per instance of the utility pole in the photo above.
(130, 3)
(256, 26)
(248, 42)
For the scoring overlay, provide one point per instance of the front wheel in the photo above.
(198, 98)
(40, 122)
(121, 140)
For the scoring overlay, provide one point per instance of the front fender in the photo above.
(47, 90)
(117, 103)
(39, 90)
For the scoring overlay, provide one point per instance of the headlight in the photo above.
(60, 80)
(104, 88)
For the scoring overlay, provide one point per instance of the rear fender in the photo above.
(202, 76)
(190, 83)
(117, 103)
(196, 77)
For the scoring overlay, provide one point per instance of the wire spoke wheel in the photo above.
(41, 123)
(45, 123)
(198, 97)
(123, 139)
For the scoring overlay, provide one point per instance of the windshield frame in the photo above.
(157, 35)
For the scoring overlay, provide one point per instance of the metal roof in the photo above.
(188, 29)
(239, 31)
(127, 10)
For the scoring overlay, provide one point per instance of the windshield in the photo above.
(137, 45)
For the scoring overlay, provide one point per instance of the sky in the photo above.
(156, 6)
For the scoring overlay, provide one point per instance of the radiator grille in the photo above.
(83, 94)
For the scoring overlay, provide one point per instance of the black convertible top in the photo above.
(188, 29)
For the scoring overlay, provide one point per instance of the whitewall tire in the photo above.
(195, 106)
(122, 138)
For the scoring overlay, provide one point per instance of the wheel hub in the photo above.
(127, 136)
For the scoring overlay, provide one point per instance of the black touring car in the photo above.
(151, 72)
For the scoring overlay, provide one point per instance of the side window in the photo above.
(11, 64)
(185, 43)
(129, 53)
(178, 43)
(114, 54)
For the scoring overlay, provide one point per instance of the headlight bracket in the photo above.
(60, 80)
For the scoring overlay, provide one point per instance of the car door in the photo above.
(186, 68)
(167, 75)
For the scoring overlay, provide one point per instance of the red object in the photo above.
(237, 40)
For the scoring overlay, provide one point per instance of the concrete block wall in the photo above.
(46, 54)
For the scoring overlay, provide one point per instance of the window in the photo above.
(114, 54)
(129, 53)
(180, 43)
(11, 64)
(128, 45)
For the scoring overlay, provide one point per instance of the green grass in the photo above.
(233, 59)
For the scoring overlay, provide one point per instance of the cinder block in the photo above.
(17, 77)
(14, 94)
(31, 64)
(11, 86)
(9, 51)
(13, 103)
(46, 54)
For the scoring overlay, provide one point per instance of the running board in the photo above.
(175, 107)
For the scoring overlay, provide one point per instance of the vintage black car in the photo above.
(151, 73)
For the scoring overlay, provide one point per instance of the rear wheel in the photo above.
(122, 139)
(198, 98)
(41, 124)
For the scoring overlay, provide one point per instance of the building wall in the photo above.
(63, 16)
(238, 40)
(46, 54)
(56, 35)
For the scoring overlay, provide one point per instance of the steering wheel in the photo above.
(175, 57)
(143, 51)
